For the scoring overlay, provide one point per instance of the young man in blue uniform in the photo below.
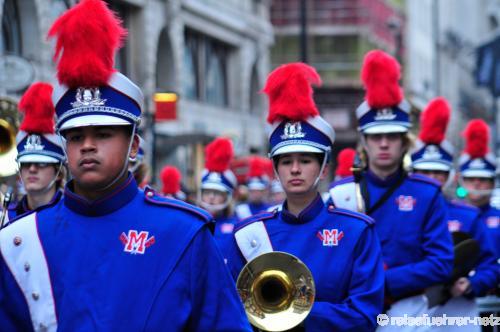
(109, 257)
(477, 176)
(339, 247)
(433, 156)
(409, 210)
(39, 152)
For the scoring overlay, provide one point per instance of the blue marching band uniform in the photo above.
(134, 260)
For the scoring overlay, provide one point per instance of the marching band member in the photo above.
(109, 257)
(477, 176)
(217, 186)
(433, 157)
(409, 210)
(340, 247)
(40, 155)
(345, 162)
(171, 180)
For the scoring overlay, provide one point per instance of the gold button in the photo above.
(17, 241)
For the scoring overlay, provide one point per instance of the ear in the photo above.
(325, 172)
(135, 146)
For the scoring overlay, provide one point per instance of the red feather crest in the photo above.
(171, 179)
(290, 93)
(345, 160)
(380, 75)
(434, 121)
(218, 155)
(259, 166)
(88, 36)
(477, 136)
(38, 109)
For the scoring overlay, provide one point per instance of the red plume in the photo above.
(38, 109)
(88, 36)
(477, 136)
(380, 75)
(345, 160)
(259, 166)
(290, 93)
(434, 121)
(218, 154)
(171, 178)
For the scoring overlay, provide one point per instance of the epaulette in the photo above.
(347, 179)
(423, 178)
(461, 204)
(150, 196)
(367, 219)
(257, 217)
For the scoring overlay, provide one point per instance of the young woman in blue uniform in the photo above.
(40, 156)
(109, 256)
(409, 210)
(339, 247)
(217, 186)
(433, 156)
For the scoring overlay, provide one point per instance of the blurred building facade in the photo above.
(214, 54)
(442, 38)
(338, 34)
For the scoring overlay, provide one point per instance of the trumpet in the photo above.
(277, 290)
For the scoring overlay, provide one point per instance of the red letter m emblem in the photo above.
(136, 243)
(331, 237)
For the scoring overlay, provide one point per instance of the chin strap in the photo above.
(125, 165)
(214, 208)
(479, 192)
(51, 183)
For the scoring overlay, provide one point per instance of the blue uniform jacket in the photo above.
(411, 224)
(20, 208)
(490, 216)
(464, 218)
(224, 226)
(349, 276)
(106, 277)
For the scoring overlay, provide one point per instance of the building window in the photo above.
(122, 58)
(205, 69)
(11, 29)
(190, 78)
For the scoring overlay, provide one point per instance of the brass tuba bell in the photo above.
(9, 125)
(277, 291)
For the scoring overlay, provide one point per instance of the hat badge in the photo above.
(34, 143)
(215, 177)
(477, 164)
(293, 130)
(432, 152)
(385, 114)
(88, 97)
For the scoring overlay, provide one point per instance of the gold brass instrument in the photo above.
(277, 291)
(357, 169)
(9, 125)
